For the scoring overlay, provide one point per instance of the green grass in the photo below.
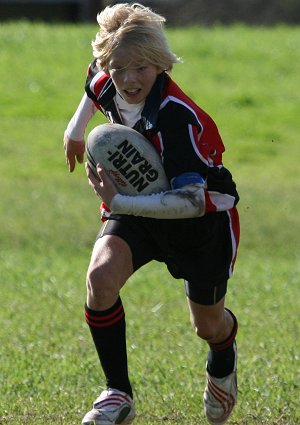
(247, 79)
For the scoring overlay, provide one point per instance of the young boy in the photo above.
(129, 82)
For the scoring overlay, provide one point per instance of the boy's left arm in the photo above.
(74, 144)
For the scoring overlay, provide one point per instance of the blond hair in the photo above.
(137, 28)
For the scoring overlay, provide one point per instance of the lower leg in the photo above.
(110, 267)
(218, 327)
(108, 330)
(221, 357)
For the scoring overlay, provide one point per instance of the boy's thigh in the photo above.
(137, 235)
(112, 259)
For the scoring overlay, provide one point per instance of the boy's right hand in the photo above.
(74, 150)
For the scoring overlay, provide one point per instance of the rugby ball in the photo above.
(129, 159)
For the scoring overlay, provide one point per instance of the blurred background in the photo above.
(177, 12)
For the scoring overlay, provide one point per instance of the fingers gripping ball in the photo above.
(129, 159)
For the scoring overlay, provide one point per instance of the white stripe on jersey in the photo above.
(107, 88)
(161, 146)
(176, 100)
(198, 153)
(233, 244)
(94, 81)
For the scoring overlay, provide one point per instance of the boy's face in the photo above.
(133, 81)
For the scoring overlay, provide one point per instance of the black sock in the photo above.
(108, 329)
(221, 357)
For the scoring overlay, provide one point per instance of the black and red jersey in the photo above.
(185, 136)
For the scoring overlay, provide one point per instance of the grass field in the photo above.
(248, 80)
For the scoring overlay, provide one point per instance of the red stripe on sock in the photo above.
(103, 318)
(94, 321)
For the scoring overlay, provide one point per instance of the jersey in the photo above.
(185, 136)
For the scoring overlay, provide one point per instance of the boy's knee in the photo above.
(215, 329)
(207, 334)
(209, 330)
(99, 283)
(93, 276)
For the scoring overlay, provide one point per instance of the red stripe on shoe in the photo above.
(226, 400)
(112, 400)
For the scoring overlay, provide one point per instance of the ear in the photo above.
(106, 71)
(104, 68)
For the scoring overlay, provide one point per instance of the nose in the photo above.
(129, 75)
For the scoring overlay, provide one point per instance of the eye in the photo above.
(116, 70)
(115, 66)
(142, 68)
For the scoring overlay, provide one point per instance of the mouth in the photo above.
(132, 92)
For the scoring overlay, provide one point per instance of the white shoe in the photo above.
(220, 396)
(110, 408)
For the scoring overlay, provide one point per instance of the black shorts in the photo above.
(199, 250)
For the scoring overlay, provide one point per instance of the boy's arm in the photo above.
(78, 123)
(188, 198)
(185, 202)
(74, 135)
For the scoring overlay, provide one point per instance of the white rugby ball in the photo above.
(128, 157)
